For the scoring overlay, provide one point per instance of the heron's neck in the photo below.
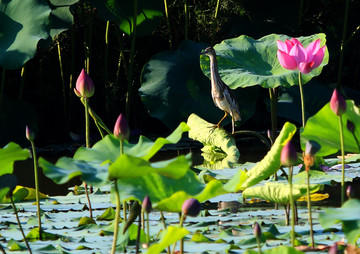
(214, 71)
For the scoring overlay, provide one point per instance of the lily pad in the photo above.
(245, 62)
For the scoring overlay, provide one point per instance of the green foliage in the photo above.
(318, 129)
(174, 79)
(168, 237)
(245, 62)
(9, 154)
(278, 192)
(349, 217)
(269, 165)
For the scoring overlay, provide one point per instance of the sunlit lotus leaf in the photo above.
(22, 25)
(108, 149)
(16, 246)
(318, 177)
(324, 128)
(148, 14)
(9, 154)
(130, 235)
(21, 193)
(127, 166)
(348, 215)
(245, 62)
(34, 234)
(204, 132)
(66, 168)
(278, 192)
(168, 237)
(167, 193)
(173, 87)
(268, 166)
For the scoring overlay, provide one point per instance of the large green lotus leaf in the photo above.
(22, 25)
(9, 154)
(108, 149)
(149, 13)
(268, 166)
(173, 87)
(127, 166)
(205, 133)
(160, 188)
(323, 128)
(279, 192)
(168, 237)
(318, 177)
(277, 250)
(66, 168)
(245, 62)
(348, 215)
(61, 17)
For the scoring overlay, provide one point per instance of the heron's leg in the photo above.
(222, 119)
(233, 125)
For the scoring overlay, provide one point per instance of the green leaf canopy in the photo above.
(9, 154)
(245, 62)
(323, 128)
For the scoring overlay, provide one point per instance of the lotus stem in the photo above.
(273, 112)
(138, 236)
(292, 206)
(36, 176)
(342, 160)
(182, 218)
(164, 224)
(22, 84)
(186, 12)
(87, 140)
(117, 216)
(107, 88)
(131, 61)
(302, 101)
(168, 22)
(309, 207)
(62, 80)
(18, 221)
(341, 59)
(147, 228)
(215, 21)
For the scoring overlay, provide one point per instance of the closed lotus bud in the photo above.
(191, 207)
(84, 85)
(146, 204)
(288, 155)
(257, 231)
(121, 128)
(337, 103)
(350, 192)
(350, 126)
(29, 134)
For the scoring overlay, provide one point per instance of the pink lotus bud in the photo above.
(121, 129)
(337, 103)
(84, 85)
(288, 155)
(146, 204)
(29, 134)
(350, 192)
(191, 207)
(257, 231)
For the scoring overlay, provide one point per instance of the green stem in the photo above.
(36, 176)
(164, 224)
(182, 218)
(302, 101)
(186, 12)
(258, 244)
(87, 140)
(341, 60)
(342, 160)
(18, 221)
(62, 79)
(22, 84)
(215, 21)
(107, 88)
(357, 141)
(117, 217)
(168, 23)
(273, 111)
(292, 207)
(309, 207)
(131, 62)
(147, 228)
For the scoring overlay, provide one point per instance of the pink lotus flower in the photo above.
(292, 55)
(84, 85)
(337, 103)
(121, 128)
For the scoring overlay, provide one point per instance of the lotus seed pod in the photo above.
(191, 207)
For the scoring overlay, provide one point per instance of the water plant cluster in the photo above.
(131, 202)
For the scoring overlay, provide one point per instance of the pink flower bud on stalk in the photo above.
(337, 103)
(288, 155)
(84, 85)
(121, 128)
(257, 231)
(191, 207)
(146, 204)
(350, 192)
(29, 134)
